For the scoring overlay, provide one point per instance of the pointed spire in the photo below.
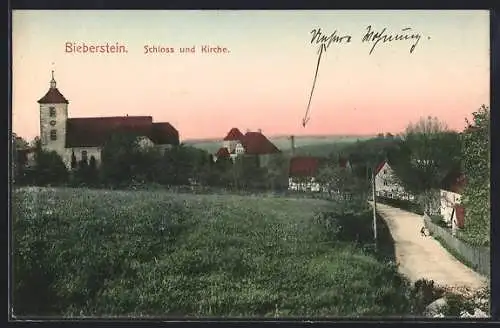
(53, 81)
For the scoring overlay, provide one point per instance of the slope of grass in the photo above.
(121, 253)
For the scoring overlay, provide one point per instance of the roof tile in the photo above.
(94, 131)
(53, 96)
(222, 152)
(304, 166)
(234, 134)
(255, 143)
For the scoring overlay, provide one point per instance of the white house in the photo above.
(386, 183)
(302, 174)
(251, 143)
(84, 137)
(450, 196)
(303, 171)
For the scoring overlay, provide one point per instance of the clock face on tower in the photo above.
(52, 122)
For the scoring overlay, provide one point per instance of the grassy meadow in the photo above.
(142, 253)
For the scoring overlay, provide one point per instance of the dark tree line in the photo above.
(421, 157)
(124, 162)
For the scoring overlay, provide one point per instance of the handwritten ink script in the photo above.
(371, 36)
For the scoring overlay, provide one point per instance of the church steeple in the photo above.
(53, 82)
(53, 96)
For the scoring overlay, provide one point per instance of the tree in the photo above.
(200, 164)
(277, 172)
(427, 152)
(205, 168)
(177, 165)
(74, 163)
(341, 182)
(81, 173)
(118, 159)
(49, 167)
(17, 158)
(144, 165)
(93, 173)
(367, 154)
(247, 172)
(19, 142)
(476, 166)
(222, 173)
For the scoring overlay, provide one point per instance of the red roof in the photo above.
(379, 167)
(234, 134)
(255, 143)
(460, 215)
(222, 152)
(53, 96)
(94, 131)
(304, 166)
(164, 134)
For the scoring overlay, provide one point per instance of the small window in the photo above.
(385, 171)
(84, 155)
(385, 183)
(53, 134)
(52, 111)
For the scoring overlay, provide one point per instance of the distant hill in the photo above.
(306, 145)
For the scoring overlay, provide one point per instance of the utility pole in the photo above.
(374, 208)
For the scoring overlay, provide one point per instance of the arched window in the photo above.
(53, 134)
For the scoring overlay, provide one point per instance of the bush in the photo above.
(438, 220)
(455, 304)
(423, 293)
(476, 166)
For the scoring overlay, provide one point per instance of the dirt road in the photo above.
(423, 257)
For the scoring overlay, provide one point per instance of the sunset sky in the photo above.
(265, 80)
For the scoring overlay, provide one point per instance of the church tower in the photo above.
(53, 116)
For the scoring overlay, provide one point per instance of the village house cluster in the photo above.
(446, 201)
(83, 138)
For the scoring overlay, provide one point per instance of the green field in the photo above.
(320, 145)
(124, 253)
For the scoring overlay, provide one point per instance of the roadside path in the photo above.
(421, 257)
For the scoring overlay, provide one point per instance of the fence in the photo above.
(478, 257)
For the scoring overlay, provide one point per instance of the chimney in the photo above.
(292, 141)
(260, 130)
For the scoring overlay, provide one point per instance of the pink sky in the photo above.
(265, 81)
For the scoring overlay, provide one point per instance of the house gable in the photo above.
(255, 143)
(234, 135)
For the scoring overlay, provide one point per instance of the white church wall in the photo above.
(91, 151)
